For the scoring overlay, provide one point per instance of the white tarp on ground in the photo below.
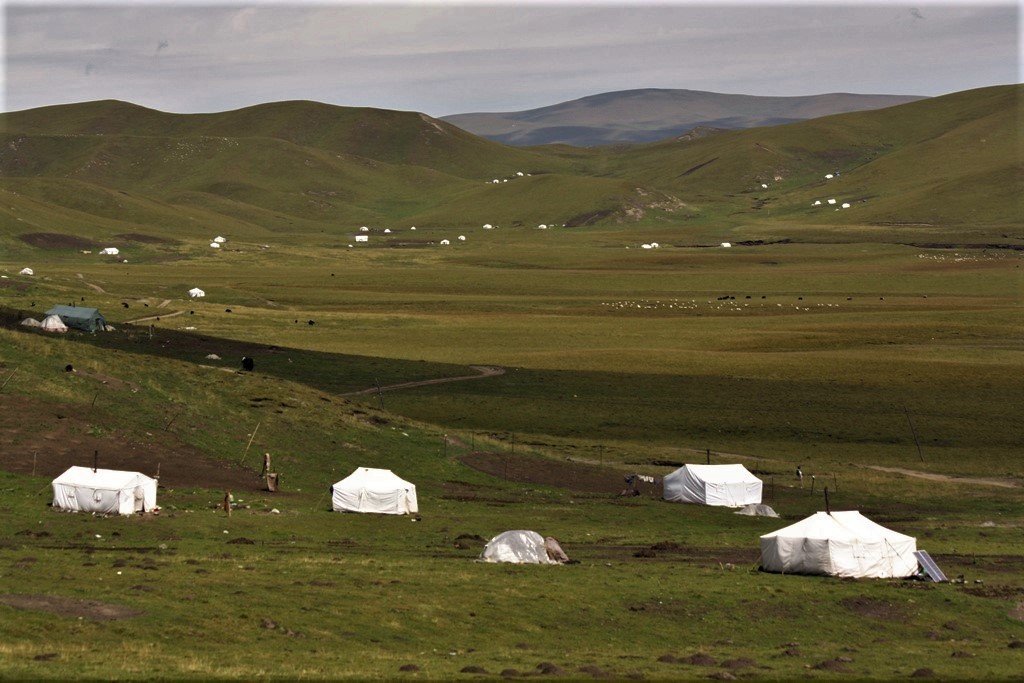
(106, 492)
(521, 546)
(53, 323)
(726, 485)
(374, 490)
(757, 510)
(845, 544)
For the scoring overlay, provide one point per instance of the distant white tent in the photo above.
(521, 546)
(726, 244)
(219, 240)
(845, 544)
(105, 492)
(215, 245)
(31, 322)
(725, 485)
(445, 242)
(110, 251)
(362, 238)
(196, 293)
(26, 271)
(53, 323)
(374, 490)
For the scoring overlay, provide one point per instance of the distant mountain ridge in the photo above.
(655, 114)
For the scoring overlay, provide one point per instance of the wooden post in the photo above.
(913, 430)
(95, 460)
(266, 464)
(828, 510)
(7, 380)
(812, 484)
(227, 502)
(380, 395)
(250, 441)
(709, 455)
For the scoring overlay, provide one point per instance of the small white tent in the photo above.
(520, 546)
(196, 293)
(726, 485)
(53, 323)
(374, 490)
(106, 492)
(845, 544)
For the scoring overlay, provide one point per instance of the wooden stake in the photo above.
(8, 379)
(913, 430)
(250, 441)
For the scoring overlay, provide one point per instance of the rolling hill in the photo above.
(653, 114)
(105, 168)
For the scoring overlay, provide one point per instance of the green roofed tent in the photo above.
(80, 318)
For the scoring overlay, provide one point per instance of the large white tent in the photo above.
(521, 546)
(106, 492)
(726, 485)
(374, 490)
(845, 544)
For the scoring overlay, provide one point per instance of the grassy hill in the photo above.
(303, 167)
(517, 377)
(651, 114)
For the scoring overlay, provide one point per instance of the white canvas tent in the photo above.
(374, 490)
(53, 323)
(196, 293)
(106, 492)
(725, 485)
(845, 544)
(521, 546)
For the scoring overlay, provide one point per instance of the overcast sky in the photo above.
(445, 58)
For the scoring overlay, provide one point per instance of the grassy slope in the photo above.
(598, 381)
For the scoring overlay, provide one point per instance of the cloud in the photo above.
(446, 58)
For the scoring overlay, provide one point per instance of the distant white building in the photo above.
(196, 293)
(362, 238)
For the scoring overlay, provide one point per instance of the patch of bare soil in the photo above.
(56, 240)
(567, 474)
(875, 608)
(934, 476)
(144, 239)
(69, 607)
(45, 439)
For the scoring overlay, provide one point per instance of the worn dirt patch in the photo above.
(144, 239)
(566, 474)
(45, 439)
(934, 476)
(70, 607)
(875, 608)
(56, 240)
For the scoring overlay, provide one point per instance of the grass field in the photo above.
(517, 377)
(616, 358)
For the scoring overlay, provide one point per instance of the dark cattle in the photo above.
(247, 364)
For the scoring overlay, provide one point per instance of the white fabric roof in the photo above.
(108, 492)
(725, 485)
(53, 323)
(845, 544)
(519, 546)
(374, 490)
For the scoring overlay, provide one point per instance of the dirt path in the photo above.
(95, 288)
(483, 370)
(933, 476)
(154, 317)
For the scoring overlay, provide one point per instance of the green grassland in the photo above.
(886, 335)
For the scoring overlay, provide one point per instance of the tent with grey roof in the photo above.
(80, 317)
